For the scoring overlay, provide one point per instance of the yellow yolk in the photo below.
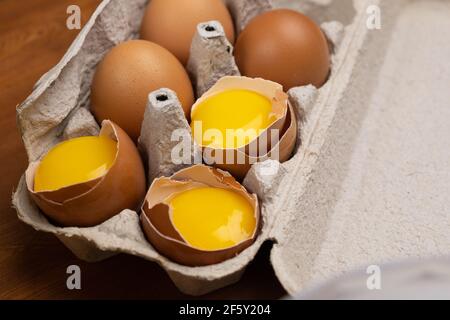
(75, 161)
(212, 218)
(245, 112)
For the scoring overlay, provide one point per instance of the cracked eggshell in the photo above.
(93, 202)
(156, 217)
(286, 124)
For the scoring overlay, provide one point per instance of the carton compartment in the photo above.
(379, 190)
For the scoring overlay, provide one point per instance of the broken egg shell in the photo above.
(286, 147)
(159, 229)
(93, 202)
(286, 123)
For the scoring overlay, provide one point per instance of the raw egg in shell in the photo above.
(200, 216)
(84, 181)
(241, 121)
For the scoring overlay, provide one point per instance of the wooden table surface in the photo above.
(33, 37)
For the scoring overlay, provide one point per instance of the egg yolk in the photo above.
(236, 116)
(75, 161)
(212, 218)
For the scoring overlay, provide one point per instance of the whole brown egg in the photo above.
(173, 23)
(286, 47)
(125, 77)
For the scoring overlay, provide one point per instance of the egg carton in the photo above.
(368, 183)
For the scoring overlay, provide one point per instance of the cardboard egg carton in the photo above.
(369, 180)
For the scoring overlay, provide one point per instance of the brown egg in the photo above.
(284, 46)
(173, 23)
(125, 77)
(93, 202)
(158, 221)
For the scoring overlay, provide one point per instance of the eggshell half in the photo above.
(93, 202)
(286, 124)
(159, 229)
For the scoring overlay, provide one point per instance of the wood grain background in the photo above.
(33, 37)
